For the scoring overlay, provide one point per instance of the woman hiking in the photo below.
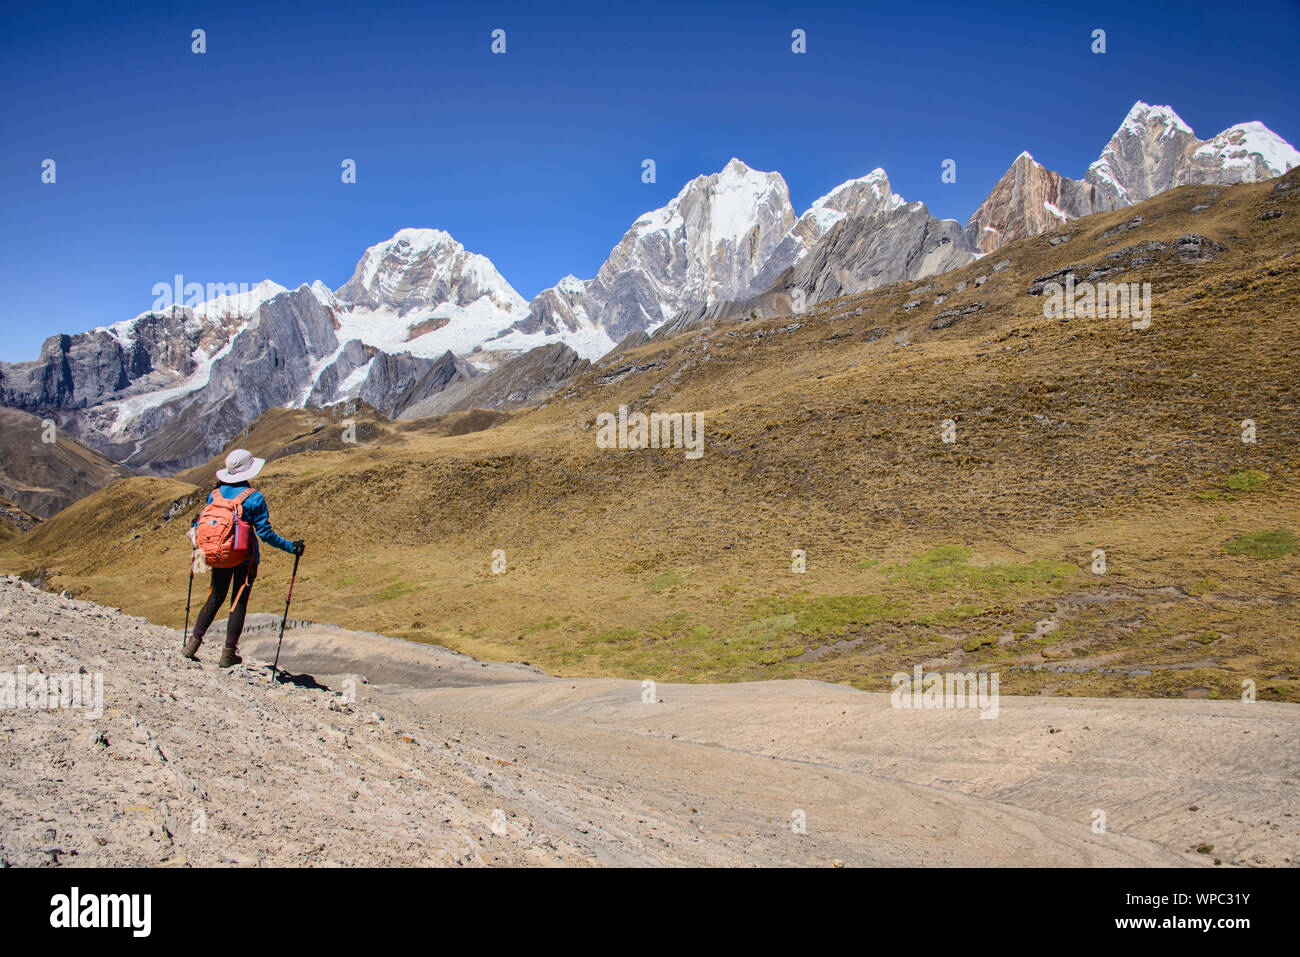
(223, 531)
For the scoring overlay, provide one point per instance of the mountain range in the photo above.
(424, 326)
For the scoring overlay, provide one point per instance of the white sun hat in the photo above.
(240, 467)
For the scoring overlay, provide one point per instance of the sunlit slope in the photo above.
(43, 468)
(823, 433)
(281, 432)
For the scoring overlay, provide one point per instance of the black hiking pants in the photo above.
(239, 582)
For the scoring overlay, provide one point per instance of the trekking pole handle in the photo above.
(293, 576)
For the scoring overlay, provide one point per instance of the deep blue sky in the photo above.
(225, 166)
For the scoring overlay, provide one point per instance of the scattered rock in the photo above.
(1192, 247)
(951, 317)
(1133, 223)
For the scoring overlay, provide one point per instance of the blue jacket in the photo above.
(256, 514)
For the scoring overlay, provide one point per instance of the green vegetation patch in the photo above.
(614, 635)
(396, 590)
(829, 614)
(669, 579)
(953, 615)
(672, 625)
(545, 624)
(948, 566)
(1247, 481)
(1263, 545)
(1250, 480)
(978, 642)
(764, 630)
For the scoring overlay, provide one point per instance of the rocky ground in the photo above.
(193, 765)
(380, 751)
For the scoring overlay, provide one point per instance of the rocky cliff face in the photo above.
(421, 270)
(387, 382)
(865, 252)
(1152, 151)
(394, 383)
(422, 320)
(267, 364)
(156, 350)
(708, 245)
(869, 197)
(522, 380)
(856, 238)
(1031, 199)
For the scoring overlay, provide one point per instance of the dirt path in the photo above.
(395, 753)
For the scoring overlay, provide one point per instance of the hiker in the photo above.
(223, 531)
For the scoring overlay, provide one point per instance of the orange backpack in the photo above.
(222, 535)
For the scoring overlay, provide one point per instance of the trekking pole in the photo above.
(188, 593)
(287, 599)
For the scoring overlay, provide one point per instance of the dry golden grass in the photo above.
(42, 476)
(823, 434)
(14, 520)
(282, 432)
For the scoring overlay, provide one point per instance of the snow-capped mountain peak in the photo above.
(423, 292)
(865, 197)
(738, 197)
(421, 311)
(1154, 150)
(1143, 117)
(422, 269)
(242, 303)
(1237, 147)
(324, 294)
(718, 208)
(855, 197)
(706, 245)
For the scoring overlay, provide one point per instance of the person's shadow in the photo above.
(299, 681)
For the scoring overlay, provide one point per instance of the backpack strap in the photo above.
(235, 504)
(238, 500)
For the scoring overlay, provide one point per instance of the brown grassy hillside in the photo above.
(823, 434)
(42, 477)
(281, 432)
(14, 520)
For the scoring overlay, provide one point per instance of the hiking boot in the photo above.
(229, 658)
(191, 649)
